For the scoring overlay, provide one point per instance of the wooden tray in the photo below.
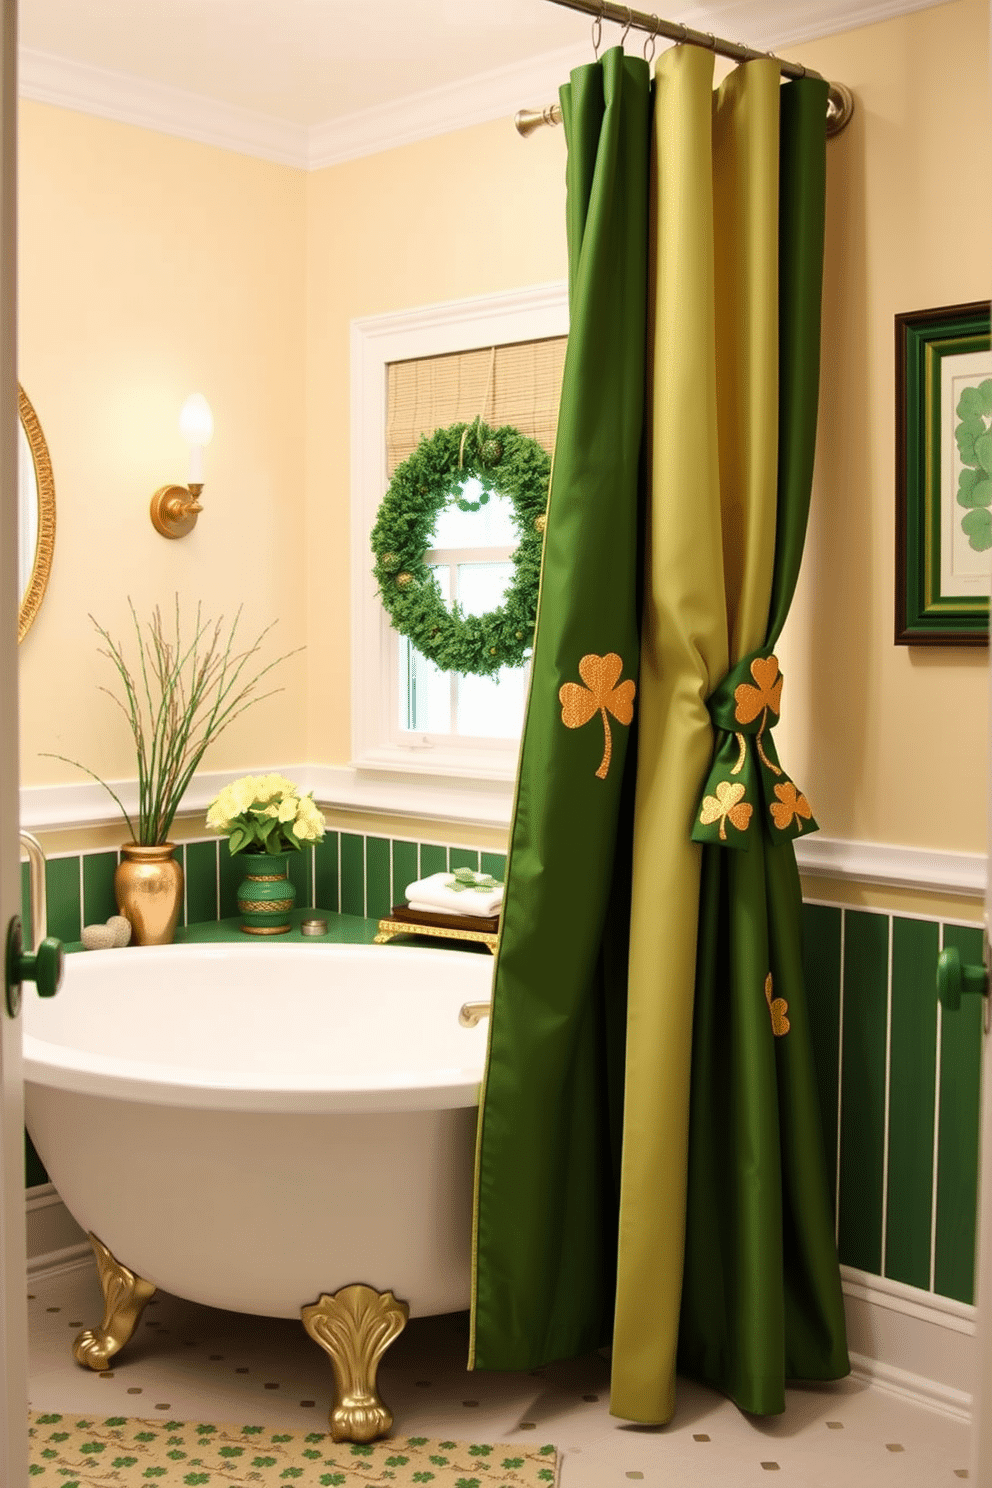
(402, 920)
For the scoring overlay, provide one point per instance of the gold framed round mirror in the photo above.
(36, 514)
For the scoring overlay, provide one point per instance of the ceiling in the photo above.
(305, 61)
(312, 64)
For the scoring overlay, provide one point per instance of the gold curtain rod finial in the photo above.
(840, 108)
(527, 120)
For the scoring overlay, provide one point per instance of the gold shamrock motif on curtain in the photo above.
(727, 805)
(745, 708)
(599, 695)
(778, 1008)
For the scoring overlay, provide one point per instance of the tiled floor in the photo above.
(200, 1364)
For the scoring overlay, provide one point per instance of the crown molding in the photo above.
(534, 83)
(787, 25)
(126, 99)
(474, 100)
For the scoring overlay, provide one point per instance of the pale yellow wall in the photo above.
(464, 214)
(151, 267)
(890, 741)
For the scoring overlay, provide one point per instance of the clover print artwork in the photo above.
(973, 433)
(599, 695)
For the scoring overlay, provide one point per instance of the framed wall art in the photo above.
(943, 476)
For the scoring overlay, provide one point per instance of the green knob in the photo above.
(953, 979)
(45, 967)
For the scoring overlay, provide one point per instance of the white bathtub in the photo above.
(249, 1126)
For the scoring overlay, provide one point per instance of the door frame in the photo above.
(13, 1245)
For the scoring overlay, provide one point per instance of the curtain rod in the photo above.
(840, 100)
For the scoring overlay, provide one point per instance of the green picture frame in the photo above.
(943, 476)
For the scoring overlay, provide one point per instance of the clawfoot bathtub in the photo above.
(280, 1130)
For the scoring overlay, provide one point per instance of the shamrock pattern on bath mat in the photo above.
(88, 1452)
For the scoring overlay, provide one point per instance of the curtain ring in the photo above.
(685, 33)
(653, 39)
(597, 31)
(630, 22)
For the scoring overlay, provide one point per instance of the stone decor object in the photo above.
(109, 937)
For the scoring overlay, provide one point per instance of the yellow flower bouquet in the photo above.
(267, 818)
(265, 814)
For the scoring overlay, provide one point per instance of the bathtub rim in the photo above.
(58, 1066)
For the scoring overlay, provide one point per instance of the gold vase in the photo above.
(148, 883)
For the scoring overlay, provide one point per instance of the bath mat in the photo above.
(96, 1452)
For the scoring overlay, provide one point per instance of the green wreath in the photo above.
(506, 463)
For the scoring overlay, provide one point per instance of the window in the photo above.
(471, 561)
(472, 550)
(502, 358)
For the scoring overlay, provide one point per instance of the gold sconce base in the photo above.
(174, 509)
(125, 1296)
(354, 1327)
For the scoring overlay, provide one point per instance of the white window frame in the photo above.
(531, 314)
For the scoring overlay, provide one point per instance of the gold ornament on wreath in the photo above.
(505, 463)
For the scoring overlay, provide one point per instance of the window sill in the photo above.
(421, 789)
(431, 792)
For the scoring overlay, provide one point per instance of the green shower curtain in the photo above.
(649, 1096)
(546, 1187)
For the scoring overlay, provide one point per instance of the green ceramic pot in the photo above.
(266, 897)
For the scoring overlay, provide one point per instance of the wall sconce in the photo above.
(174, 509)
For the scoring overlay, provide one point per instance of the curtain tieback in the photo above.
(746, 780)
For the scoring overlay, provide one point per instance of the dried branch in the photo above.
(178, 697)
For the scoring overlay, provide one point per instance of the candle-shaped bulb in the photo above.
(196, 424)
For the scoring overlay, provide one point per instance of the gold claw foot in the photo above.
(355, 1327)
(124, 1299)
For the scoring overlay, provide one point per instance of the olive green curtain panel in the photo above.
(650, 1164)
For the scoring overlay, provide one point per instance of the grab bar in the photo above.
(472, 1013)
(37, 896)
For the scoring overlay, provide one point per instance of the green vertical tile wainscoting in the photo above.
(899, 1090)
(898, 1079)
(864, 990)
(347, 873)
(912, 1112)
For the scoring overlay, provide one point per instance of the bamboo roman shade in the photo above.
(519, 384)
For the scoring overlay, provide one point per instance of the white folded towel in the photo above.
(439, 892)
